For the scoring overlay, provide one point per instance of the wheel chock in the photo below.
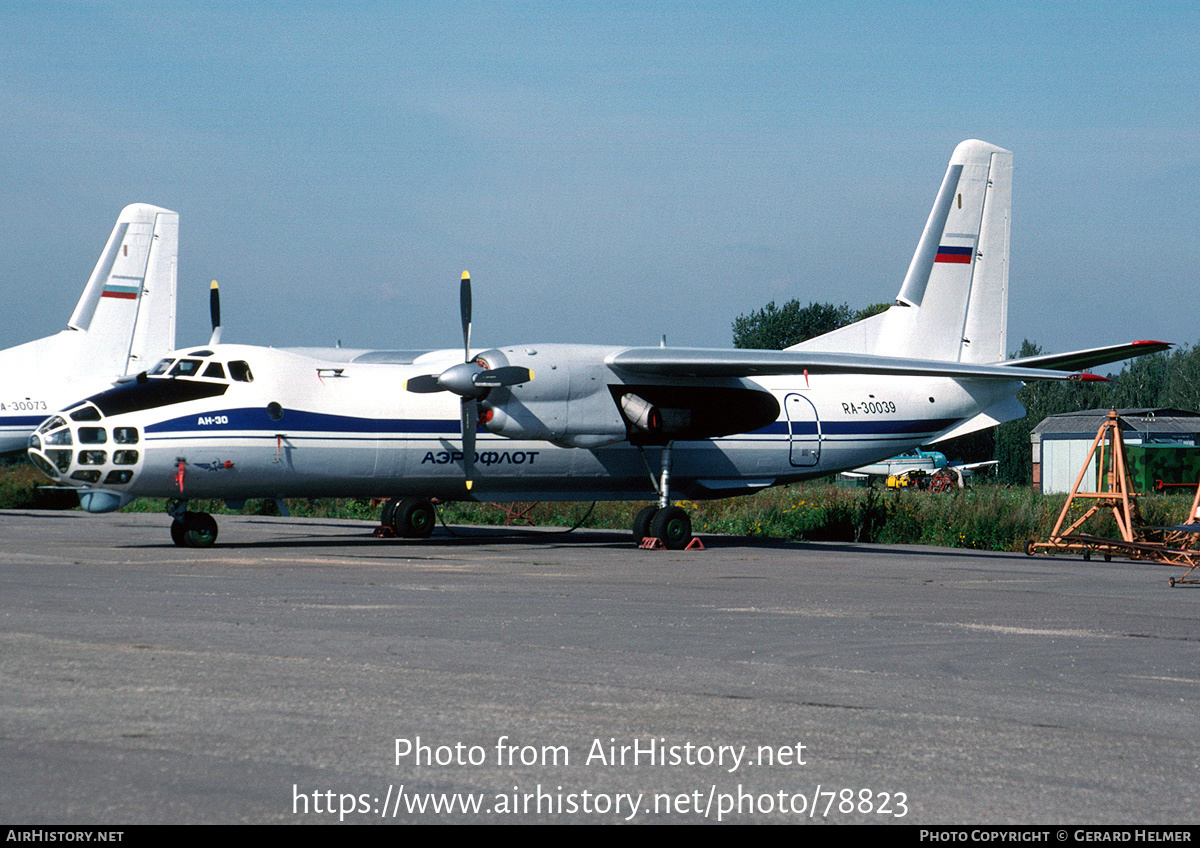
(384, 532)
(653, 543)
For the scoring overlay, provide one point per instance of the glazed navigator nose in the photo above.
(79, 448)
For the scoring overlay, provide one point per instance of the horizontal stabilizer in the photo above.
(1008, 409)
(1078, 359)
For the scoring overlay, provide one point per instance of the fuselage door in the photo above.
(804, 430)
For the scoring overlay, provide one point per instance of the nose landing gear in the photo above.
(191, 529)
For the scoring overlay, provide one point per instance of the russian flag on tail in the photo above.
(121, 292)
(956, 255)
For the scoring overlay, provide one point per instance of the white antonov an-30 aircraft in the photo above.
(576, 422)
(124, 321)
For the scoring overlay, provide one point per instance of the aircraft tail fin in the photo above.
(953, 303)
(127, 308)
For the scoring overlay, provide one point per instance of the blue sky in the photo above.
(608, 172)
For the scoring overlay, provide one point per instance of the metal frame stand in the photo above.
(1168, 546)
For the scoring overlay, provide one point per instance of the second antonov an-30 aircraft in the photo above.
(124, 321)
(576, 422)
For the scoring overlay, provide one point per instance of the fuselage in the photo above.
(236, 422)
(42, 376)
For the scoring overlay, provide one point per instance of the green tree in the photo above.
(1144, 382)
(774, 328)
(1042, 399)
(1183, 380)
(867, 312)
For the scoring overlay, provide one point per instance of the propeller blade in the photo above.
(424, 385)
(510, 375)
(214, 311)
(464, 305)
(470, 421)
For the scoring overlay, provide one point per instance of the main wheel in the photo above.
(414, 518)
(177, 530)
(641, 523)
(199, 530)
(672, 526)
(387, 514)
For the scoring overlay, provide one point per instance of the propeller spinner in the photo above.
(471, 380)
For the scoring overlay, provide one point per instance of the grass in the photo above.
(988, 517)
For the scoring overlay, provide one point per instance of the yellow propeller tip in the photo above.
(466, 275)
(213, 285)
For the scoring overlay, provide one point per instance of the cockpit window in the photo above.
(186, 368)
(240, 371)
(215, 371)
(85, 412)
(161, 367)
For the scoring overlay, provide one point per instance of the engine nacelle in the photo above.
(575, 400)
(567, 403)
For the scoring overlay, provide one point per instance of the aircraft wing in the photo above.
(971, 466)
(713, 362)
(1089, 358)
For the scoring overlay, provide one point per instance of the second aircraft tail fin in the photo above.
(127, 308)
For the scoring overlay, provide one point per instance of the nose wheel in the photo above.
(191, 529)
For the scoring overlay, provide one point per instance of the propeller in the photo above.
(214, 311)
(470, 379)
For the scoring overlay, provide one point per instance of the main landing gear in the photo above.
(191, 529)
(410, 518)
(671, 525)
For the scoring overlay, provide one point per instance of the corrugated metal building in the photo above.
(1061, 443)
